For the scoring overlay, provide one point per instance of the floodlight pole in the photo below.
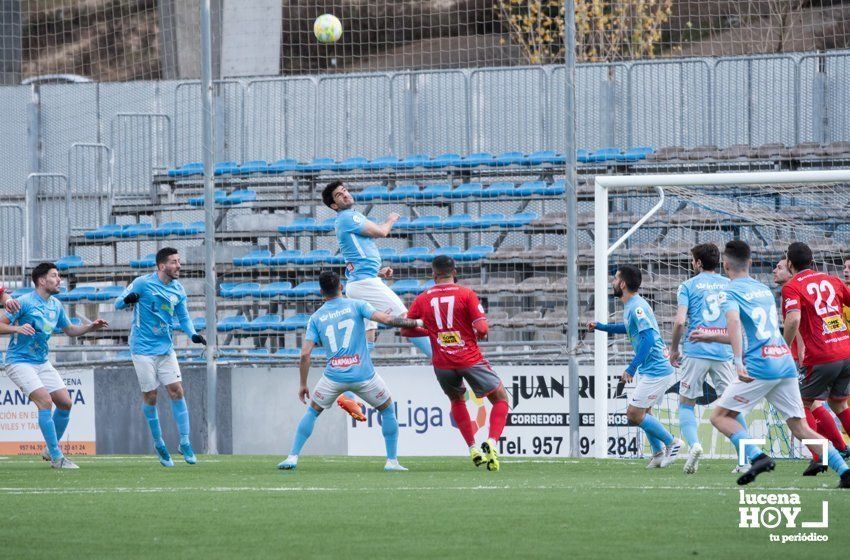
(208, 142)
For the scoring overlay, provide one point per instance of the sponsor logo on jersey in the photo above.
(712, 330)
(345, 361)
(450, 338)
(833, 324)
(774, 350)
(357, 218)
(640, 312)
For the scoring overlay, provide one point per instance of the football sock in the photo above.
(826, 427)
(813, 424)
(349, 395)
(423, 343)
(498, 418)
(181, 415)
(152, 417)
(304, 430)
(656, 429)
(836, 462)
(60, 420)
(844, 418)
(688, 423)
(48, 430)
(655, 444)
(742, 421)
(389, 427)
(751, 451)
(461, 416)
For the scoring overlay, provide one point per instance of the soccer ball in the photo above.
(327, 28)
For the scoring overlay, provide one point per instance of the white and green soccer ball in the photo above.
(327, 28)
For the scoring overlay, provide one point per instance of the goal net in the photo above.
(652, 221)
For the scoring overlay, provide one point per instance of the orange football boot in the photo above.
(351, 407)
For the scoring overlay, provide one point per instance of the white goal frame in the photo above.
(602, 252)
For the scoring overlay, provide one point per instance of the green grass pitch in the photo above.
(225, 506)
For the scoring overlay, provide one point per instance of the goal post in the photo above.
(767, 207)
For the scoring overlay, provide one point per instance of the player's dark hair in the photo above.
(630, 274)
(800, 255)
(329, 283)
(737, 253)
(328, 192)
(41, 271)
(163, 254)
(708, 254)
(443, 265)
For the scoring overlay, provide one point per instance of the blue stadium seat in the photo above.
(296, 322)
(337, 259)
(520, 219)
(605, 154)
(103, 232)
(187, 170)
(267, 322)
(19, 292)
(406, 286)
(79, 293)
(476, 159)
(276, 290)
(474, 253)
(325, 225)
(385, 162)
(421, 223)
(70, 261)
(253, 258)
(372, 192)
(411, 162)
(283, 258)
(305, 289)
(239, 196)
(145, 262)
(557, 188)
(226, 168)
(297, 225)
(63, 293)
(635, 154)
(319, 353)
(107, 293)
(489, 220)
(499, 189)
(508, 158)
(450, 250)
(233, 323)
(582, 155)
(219, 196)
(430, 192)
(76, 321)
(531, 188)
(134, 230)
(259, 355)
(287, 353)
(317, 165)
(413, 254)
(542, 157)
(200, 323)
(192, 228)
(456, 221)
(465, 190)
(403, 191)
(283, 166)
(244, 289)
(387, 253)
(253, 166)
(352, 163)
(312, 257)
(443, 160)
(166, 229)
(225, 289)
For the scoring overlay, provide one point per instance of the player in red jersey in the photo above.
(847, 283)
(455, 322)
(7, 302)
(813, 303)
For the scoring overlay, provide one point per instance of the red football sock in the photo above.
(827, 428)
(464, 423)
(813, 424)
(498, 417)
(844, 417)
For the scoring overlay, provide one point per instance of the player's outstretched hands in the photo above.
(386, 273)
(591, 326)
(626, 377)
(12, 305)
(199, 339)
(132, 298)
(26, 329)
(98, 324)
(303, 393)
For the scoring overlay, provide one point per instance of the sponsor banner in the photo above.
(537, 423)
(19, 431)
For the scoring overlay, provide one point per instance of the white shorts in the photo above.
(29, 377)
(378, 295)
(650, 390)
(155, 370)
(374, 391)
(783, 394)
(694, 371)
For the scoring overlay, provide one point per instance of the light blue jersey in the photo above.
(154, 313)
(362, 259)
(765, 353)
(338, 326)
(45, 316)
(638, 317)
(700, 295)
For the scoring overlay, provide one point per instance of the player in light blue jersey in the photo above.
(650, 367)
(764, 366)
(38, 316)
(339, 327)
(699, 310)
(156, 299)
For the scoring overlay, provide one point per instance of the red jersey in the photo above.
(449, 312)
(820, 299)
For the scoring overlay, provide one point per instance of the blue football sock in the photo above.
(423, 343)
(304, 430)
(655, 444)
(741, 420)
(688, 423)
(60, 420)
(181, 416)
(389, 427)
(655, 429)
(836, 462)
(48, 430)
(752, 451)
(149, 410)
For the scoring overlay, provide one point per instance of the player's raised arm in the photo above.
(79, 330)
(611, 328)
(399, 322)
(371, 229)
